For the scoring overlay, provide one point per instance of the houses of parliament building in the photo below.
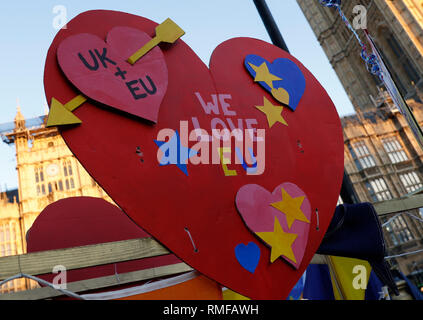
(382, 157)
(47, 171)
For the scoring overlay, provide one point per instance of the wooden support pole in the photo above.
(80, 257)
(99, 283)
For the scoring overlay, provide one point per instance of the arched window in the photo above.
(67, 168)
(8, 238)
(399, 231)
(39, 179)
(361, 155)
(394, 150)
(378, 190)
(407, 66)
(9, 246)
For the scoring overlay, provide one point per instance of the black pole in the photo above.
(348, 194)
(270, 24)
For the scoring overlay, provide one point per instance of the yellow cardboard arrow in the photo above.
(62, 114)
(168, 31)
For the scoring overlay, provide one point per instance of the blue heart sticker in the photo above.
(248, 256)
(290, 87)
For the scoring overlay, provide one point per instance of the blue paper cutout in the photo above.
(248, 169)
(293, 80)
(248, 256)
(175, 153)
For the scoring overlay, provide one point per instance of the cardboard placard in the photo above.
(193, 213)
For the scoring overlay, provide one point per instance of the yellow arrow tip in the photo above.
(59, 115)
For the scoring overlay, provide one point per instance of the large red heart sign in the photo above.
(178, 179)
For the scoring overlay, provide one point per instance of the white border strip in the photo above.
(148, 287)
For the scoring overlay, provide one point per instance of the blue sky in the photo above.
(26, 31)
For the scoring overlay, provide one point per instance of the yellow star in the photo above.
(291, 207)
(273, 113)
(280, 241)
(263, 74)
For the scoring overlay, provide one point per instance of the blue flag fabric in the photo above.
(318, 284)
(355, 232)
(374, 288)
(297, 291)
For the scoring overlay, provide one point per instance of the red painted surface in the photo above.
(84, 221)
(165, 201)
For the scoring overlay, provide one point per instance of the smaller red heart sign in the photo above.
(280, 219)
(100, 70)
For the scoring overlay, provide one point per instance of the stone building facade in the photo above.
(382, 157)
(384, 162)
(396, 27)
(47, 171)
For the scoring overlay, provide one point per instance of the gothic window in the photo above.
(394, 75)
(60, 185)
(411, 181)
(395, 46)
(361, 155)
(378, 190)
(398, 231)
(50, 189)
(69, 183)
(8, 244)
(39, 179)
(410, 71)
(394, 149)
(406, 64)
(67, 168)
